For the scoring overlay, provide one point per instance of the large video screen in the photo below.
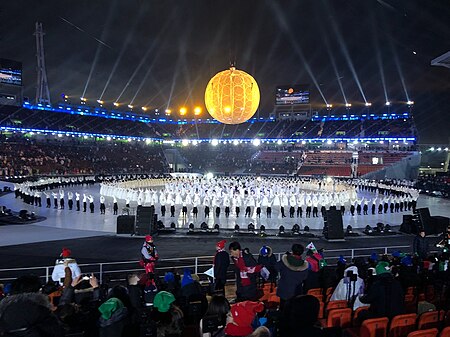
(10, 72)
(292, 94)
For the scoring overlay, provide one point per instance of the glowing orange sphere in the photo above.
(232, 96)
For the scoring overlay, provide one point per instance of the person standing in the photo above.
(84, 202)
(77, 199)
(102, 205)
(149, 255)
(115, 206)
(48, 200)
(91, 203)
(420, 245)
(246, 269)
(293, 272)
(55, 200)
(61, 199)
(70, 200)
(221, 263)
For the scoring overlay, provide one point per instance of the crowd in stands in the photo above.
(57, 121)
(20, 156)
(436, 185)
(298, 295)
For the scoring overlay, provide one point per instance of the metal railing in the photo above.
(107, 271)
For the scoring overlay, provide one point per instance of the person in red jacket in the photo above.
(149, 255)
(246, 269)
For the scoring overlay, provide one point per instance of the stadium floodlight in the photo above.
(185, 142)
(439, 149)
(329, 105)
(195, 142)
(108, 138)
(214, 142)
(130, 106)
(387, 103)
(235, 142)
(144, 108)
(116, 104)
(432, 148)
(209, 175)
(227, 109)
(410, 103)
(348, 105)
(329, 141)
(99, 101)
(279, 142)
(168, 111)
(368, 104)
(256, 142)
(446, 149)
(197, 111)
(83, 99)
(183, 111)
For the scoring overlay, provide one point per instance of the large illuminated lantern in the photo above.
(232, 96)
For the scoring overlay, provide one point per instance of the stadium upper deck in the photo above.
(98, 122)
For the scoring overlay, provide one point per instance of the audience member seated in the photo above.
(242, 316)
(168, 317)
(385, 296)
(28, 312)
(216, 317)
(299, 318)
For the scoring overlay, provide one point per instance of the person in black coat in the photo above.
(420, 245)
(27, 311)
(221, 263)
(385, 296)
(268, 260)
(293, 272)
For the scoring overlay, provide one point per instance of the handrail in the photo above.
(195, 262)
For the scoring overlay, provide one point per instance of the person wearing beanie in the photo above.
(268, 260)
(65, 260)
(149, 255)
(242, 316)
(221, 263)
(385, 296)
(293, 272)
(246, 270)
(168, 317)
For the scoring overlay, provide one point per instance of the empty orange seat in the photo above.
(424, 333)
(315, 291)
(374, 327)
(340, 304)
(341, 318)
(402, 325)
(445, 332)
(428, 320)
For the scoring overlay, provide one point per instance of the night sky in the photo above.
(162, 53)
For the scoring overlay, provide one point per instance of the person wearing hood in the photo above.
(168, 317)
(293, 272)
(349, 288)
(385, 296)
(221, 263)
(65, 260)
(28, 312)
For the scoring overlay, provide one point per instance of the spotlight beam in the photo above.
(97, 52)
(284, 26)
(122, 51)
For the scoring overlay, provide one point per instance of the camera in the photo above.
(353, 277)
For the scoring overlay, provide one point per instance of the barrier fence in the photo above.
(117, 271)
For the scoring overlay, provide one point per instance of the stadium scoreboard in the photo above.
(292, 94)
(10, 72)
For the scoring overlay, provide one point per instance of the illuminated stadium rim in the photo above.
(60, 133)
(84, 110)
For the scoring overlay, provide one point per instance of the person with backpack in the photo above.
(246, 269)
